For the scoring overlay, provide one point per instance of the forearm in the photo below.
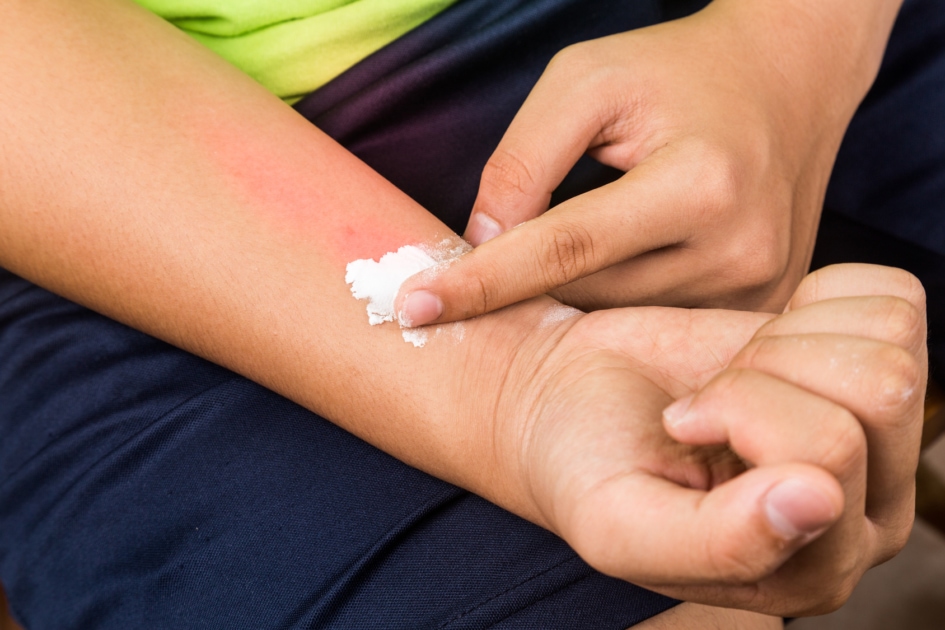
(145, 178)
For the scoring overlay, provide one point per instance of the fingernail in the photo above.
(419, 308)
(481, 228)
(678, 412)
(795, 508)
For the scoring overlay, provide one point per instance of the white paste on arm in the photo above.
(379, 281)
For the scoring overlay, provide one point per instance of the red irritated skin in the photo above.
(286, 184)
(219, 220)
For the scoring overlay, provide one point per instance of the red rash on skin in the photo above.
(283, 186)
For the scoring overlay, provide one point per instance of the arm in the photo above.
(727, 122)
(143, 177)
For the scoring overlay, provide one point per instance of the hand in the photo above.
(782, 473)
(727, 124)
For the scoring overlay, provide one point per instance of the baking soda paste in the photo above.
(378, 282)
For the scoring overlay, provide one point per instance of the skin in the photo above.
(727, 124)
(688, 615)
(789, 403)
(216, 203)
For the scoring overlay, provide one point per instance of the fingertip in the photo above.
(677, 415)
(751, 524)
(481, 228)
(419, 308)
(690, 420)
(799, 508)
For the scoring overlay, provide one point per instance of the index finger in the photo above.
(644, 210)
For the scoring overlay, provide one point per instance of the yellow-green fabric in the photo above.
(293, 47)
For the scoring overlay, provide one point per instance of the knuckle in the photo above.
(897, 543)
(832, 592)
(843, 592)
(902, 322)
(761, 352)
(897, 381)
(733, 383)
(757, 256)
(758, 261)
(479, 296)
(718, 176)
(576, 59)
(475, 289)
(833, 599)
(508, 173)
(732, 563)
(831, 596)
(568, 254)
(843, 441)
(897, 538)
(811, 289)
(589, 77)
(913, 291)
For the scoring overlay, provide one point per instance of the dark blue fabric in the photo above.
(143, 487)
(890, 172)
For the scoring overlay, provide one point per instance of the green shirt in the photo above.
(293, 47)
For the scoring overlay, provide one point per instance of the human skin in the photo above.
(216, 218)
(727, 124)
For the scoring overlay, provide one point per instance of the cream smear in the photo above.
(557, 313)
(379, 281)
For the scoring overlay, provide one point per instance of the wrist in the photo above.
(503, 360)
(827, 52)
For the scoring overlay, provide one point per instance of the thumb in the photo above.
(545, 139)
(737, 533)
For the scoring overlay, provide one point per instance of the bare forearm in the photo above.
(145, 178)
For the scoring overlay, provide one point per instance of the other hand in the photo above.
(727, 124)
(782, 473)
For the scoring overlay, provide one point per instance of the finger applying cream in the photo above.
(379, 283)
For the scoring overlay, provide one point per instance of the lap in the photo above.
(144, 487)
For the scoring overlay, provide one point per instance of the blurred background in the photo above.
(906, 593)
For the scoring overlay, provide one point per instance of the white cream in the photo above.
(379, 281)
(557, 313)
(417, 336)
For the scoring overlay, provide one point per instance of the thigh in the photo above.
(143, 487)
